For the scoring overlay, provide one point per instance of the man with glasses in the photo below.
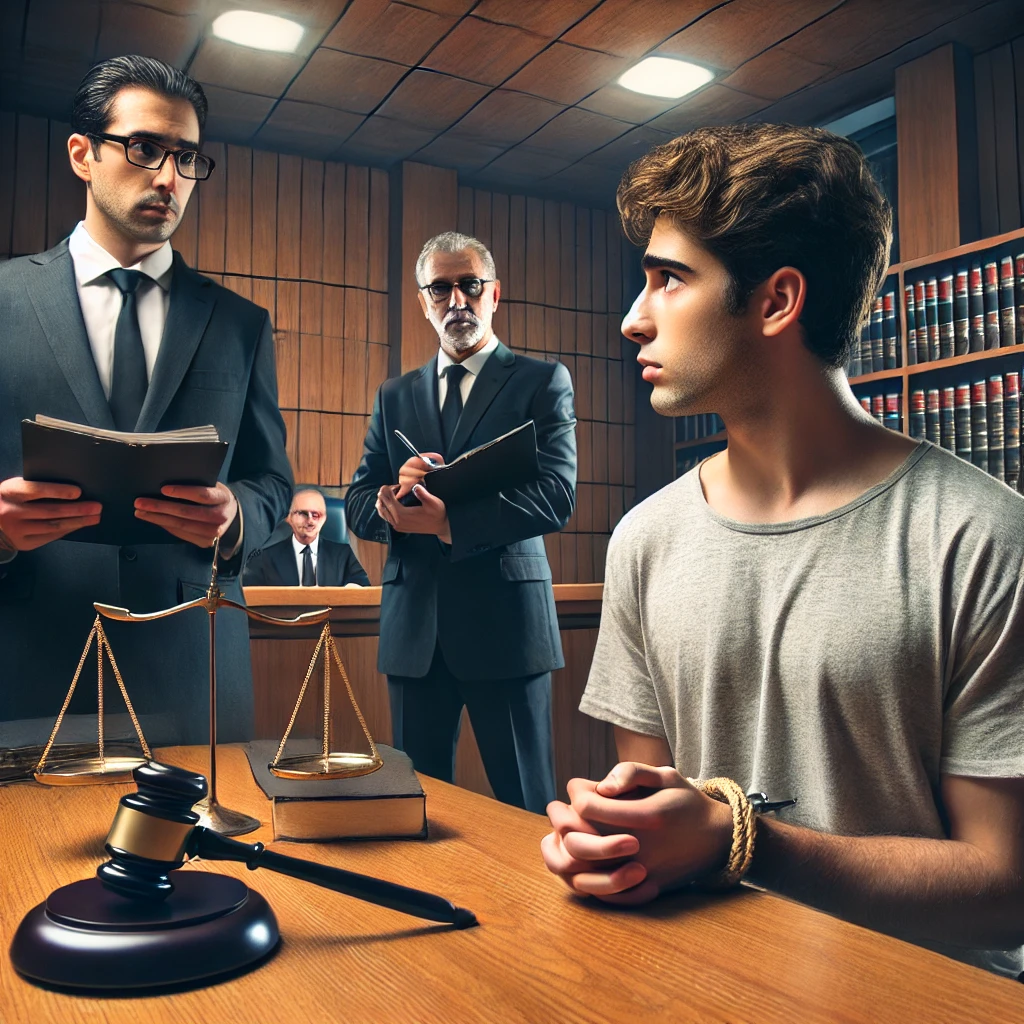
(305, 559)
(110, 328)
(467, 611)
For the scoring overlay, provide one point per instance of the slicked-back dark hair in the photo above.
(93, 106)
(762, 196)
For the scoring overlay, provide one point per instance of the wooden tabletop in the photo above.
(539, 955)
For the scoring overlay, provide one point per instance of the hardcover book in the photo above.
(890, 333)
(962, 412)
(979, 424)
(878, 408)
(961, 316)
(947, 420)
(931, 416)
(1011, 420)
(921, 319)
(1018, 290)
(996, 466)
(877, 342)
(991, 298)
(908, 299)
(976, 305)
(387, 803)
(1007, 303)
(946, 339)
(114, 468)
(917, 427)
(891, 418)
(931, 314)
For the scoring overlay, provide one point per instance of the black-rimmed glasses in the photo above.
(142, 152)
(471, 287)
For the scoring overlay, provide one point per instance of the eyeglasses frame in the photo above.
(452, 286)
(123, 140)
(310, 515)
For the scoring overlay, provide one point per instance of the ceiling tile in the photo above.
(626, 105)
(56, 28)
(621, 152)
(524, 164)
(234, 116)
(345, 81)
(431, 100)
(455, 7)
(567, 73)
(238, 67)
(379, 139)
(505, 118)
(464, 154)
(548, 18)
(631, 29)
(393, 31)
(306, 128)
(775, 74)
(737, 31)
(483, 52)
(576, 132)
(168, 37)
(586, 184)
(716, 104)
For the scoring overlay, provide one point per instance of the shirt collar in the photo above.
(297, 544)
(92, 261)
(474, 363)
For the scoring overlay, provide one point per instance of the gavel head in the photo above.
(151, 831)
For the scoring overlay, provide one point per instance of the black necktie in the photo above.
(128, 382)
(308, 575)
(452, 408)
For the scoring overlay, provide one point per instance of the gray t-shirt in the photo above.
(847, 659)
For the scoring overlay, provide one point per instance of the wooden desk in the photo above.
(280, 656)
(539, 955)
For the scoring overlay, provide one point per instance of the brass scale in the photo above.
(110, 768)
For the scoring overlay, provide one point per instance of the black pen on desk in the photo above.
(408, 444)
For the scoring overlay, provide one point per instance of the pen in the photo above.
(408, 444)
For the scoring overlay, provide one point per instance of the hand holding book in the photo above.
(35, 513)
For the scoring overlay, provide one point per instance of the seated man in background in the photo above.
(826, 610)
(305, 558)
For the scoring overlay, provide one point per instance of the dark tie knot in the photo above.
(307, 549)
(127, 281)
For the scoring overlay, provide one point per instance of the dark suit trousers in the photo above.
(511, 720)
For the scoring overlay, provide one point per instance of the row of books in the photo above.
(693, 428)
(879, 347)
(887, 409)
(979, 421)
(971, 310)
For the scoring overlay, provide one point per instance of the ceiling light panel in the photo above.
(664, 76)
(259, 31)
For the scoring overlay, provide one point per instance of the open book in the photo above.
(114, 468)
(506, 462)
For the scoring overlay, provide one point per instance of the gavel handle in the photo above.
(213, 846)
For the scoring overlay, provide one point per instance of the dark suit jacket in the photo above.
(275, 566)
(487, 599)
(216, 365)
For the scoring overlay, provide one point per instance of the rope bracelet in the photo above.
(744, 827)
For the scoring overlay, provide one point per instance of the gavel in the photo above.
(155, 828)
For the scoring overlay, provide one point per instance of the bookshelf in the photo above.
(904, 378)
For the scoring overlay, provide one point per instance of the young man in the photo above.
(826, 610)
(467, 612)
(305, 559)
(112, 329)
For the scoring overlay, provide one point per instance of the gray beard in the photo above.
(463, 340)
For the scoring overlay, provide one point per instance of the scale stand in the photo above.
(212, 813)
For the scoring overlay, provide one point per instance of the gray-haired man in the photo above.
(467, 611)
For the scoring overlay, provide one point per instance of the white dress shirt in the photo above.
(100, 299)
(298, 547)
(474, 364)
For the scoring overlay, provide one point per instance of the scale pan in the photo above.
(89, 771)
(334, 766)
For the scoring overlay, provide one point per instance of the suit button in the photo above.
(129, 554)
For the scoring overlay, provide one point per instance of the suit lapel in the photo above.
(428, 413)
(283, 556)
(60, 315)
(192, 301)
(492, 378)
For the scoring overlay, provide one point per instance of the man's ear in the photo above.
(781, 300)
(497, 293)
(80, 153)
(423, 304)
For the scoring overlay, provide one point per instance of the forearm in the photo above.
(922, 890)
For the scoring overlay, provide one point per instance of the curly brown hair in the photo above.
(762, 196)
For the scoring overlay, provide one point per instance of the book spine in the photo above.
(908, 300)
(878, 408)
(963, 421)
(865, 403)
(890, 334)
(996, 463)
(877, 343)
(1011, 422)
(976, 305)
(1018, 288)
(961, 317)
(931, 312)
(1007, 303)
(947, 419)
(865, 347)
(979, 424)
(921, 319)
(917, 427)
(946, 342)
(891, 418)
(931, 416)
(991, 298)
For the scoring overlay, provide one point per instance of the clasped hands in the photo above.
(430, 516)
(638, 832)
(33, 514)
